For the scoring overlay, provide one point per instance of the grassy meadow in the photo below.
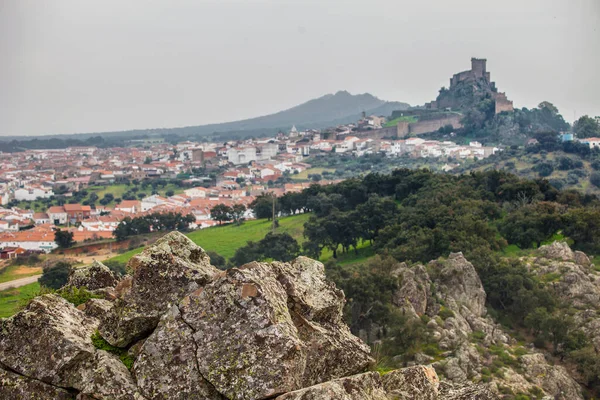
(13, 298)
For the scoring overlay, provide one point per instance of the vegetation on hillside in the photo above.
(566, 165)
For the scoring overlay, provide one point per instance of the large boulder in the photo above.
(92, 277)
(316, 305)
(365, 386)
(103, 377)
(47, 339)
(267, 329)
(166, 366)
(14, 386)
(163, 274)
(51, 341)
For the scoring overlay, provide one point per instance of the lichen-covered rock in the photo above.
(92, 277)
(16, 387)
(102, 377)
(309, 293)
(166, 366)
(51, 341)
(418, 382)
(96, 308)
(365, 386)
(247, 344)
(261, 330)
(163, 274)
(573, 282)
(46, 340)
(315, 305)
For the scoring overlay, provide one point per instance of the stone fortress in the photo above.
(478, 79)
(467, 89)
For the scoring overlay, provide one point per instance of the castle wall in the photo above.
(389, 132)
(420, 127)
(502, 103)
(403, 129)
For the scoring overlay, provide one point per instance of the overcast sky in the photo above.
(82, 66)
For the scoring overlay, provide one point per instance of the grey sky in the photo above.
(82, 66)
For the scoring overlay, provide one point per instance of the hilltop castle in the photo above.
(469, 87)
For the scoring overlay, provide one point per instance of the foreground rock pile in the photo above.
(178, 328)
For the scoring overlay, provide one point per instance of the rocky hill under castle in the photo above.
(178, 328)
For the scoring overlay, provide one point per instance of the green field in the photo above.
(303, 176)
(13, 272)
(118, 190)
(12, 299)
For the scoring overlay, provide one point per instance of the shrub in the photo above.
(217, 260)
(445, 313)
(77, 296)
(101, 344)
(57, 276)
(595, 179)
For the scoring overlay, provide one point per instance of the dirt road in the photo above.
(19, 282)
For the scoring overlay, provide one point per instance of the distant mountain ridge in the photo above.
(325, 111)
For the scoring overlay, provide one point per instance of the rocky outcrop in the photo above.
(163, 274)
(570, 276)
(452, 391)
(557, 251)
(459, 284)
(450, 296)
(188, 331)
(414, 289)
(92, 277)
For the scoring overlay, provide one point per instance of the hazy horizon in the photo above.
(77, 67)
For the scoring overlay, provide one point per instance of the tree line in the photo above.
(154, 222)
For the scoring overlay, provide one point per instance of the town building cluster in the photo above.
(207, 174)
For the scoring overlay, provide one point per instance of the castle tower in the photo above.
(478, 67)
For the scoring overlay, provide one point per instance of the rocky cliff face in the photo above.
(178, 328)
(471, 346)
